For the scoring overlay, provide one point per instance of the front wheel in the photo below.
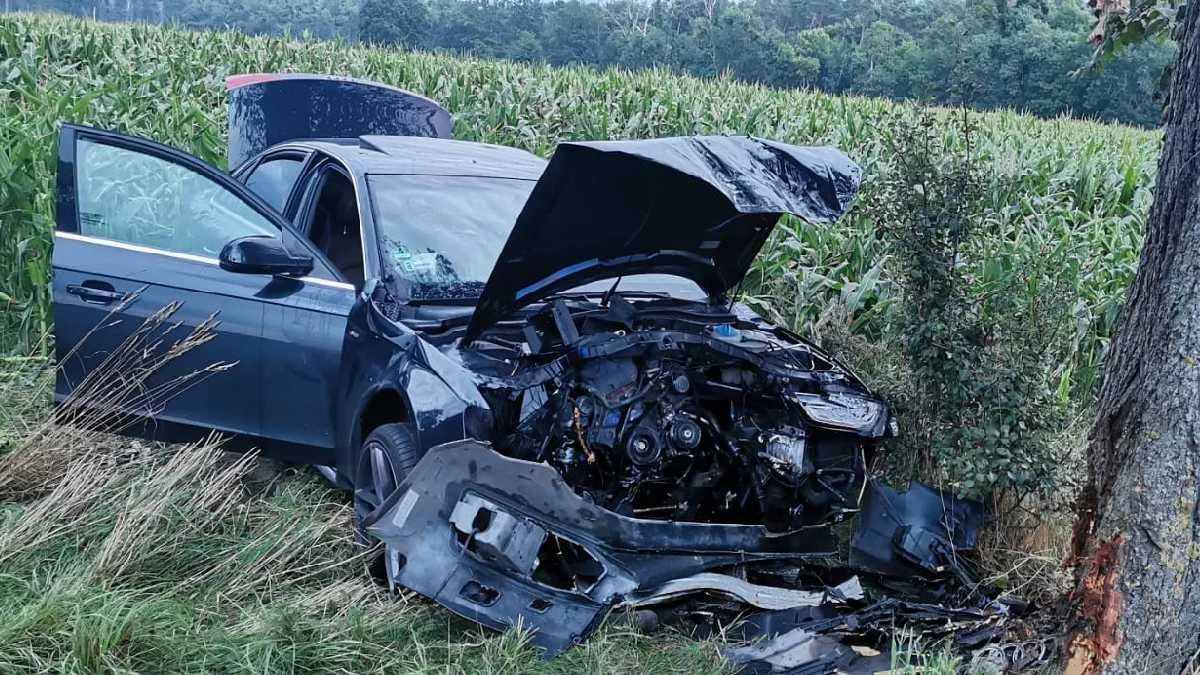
(385, 460)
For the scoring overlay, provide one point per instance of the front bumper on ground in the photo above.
(501, 541)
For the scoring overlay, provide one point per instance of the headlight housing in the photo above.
(863, 415)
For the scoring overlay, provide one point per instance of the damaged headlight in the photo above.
(843, 411)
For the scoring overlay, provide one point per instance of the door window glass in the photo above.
(141, 199)
(273, 179)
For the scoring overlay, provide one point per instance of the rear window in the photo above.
(273, 180)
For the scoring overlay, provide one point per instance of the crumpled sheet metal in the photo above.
(756, 175)
(797, 652)
(789, 645)
(470, 527)
(913, 534)
(467, 526)
(754, 595)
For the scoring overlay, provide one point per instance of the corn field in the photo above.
(1074, 191)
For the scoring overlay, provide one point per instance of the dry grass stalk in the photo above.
(1027, 541)
(288, 550)
(190, 493)
(334, 603)
(67, 508)
(1024, 550)
(117, 393)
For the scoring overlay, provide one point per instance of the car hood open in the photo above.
(698, 207)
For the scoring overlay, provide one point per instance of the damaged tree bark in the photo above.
(1137, 537)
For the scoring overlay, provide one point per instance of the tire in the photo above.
(384, 461)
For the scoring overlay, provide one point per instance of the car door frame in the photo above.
(303, 192)
(299, 204)
(67, 226)
(311, 155)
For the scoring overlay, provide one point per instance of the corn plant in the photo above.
(1079, 188)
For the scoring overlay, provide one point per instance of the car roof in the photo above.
(429, 156)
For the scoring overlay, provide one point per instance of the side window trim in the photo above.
(307, 191)
(331, 283)
(313, 179)
(247, 167)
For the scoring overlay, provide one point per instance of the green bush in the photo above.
(977, 350)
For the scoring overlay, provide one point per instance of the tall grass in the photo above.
(143, 558)
(1078, 189)
(123, 382)
(124, 556)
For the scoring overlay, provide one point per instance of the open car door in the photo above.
(142, 227)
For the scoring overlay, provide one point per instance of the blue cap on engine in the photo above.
(725, 330)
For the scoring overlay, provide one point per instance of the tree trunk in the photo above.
(1137, 540)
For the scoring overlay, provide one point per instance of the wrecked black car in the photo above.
(532, 375)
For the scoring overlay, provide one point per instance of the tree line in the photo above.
(1023, 54)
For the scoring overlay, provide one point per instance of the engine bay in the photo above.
(682, 461)
(681, 411)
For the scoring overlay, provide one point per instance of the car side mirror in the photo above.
(263, 255)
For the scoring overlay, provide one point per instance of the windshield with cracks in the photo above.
(441, 235)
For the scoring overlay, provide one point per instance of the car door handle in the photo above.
(99, 292)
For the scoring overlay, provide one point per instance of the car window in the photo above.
(443, 234)
(332, 223)
(141, 199)
(273, 179)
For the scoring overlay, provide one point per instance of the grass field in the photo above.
(121, 556)
(144, 559)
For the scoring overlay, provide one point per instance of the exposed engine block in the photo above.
(677, 439)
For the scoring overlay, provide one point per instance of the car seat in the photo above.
(336, 229)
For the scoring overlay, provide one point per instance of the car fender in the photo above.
(440, 392)
(382, 356)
